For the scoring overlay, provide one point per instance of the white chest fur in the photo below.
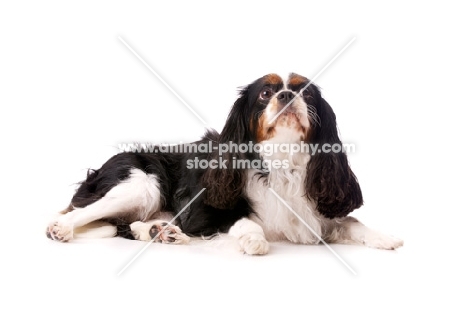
(273, 215)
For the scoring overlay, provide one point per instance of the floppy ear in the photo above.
(225, 184)
(330, 181)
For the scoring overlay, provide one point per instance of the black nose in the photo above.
(285, 97)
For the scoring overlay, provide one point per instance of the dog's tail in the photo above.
(103, 229)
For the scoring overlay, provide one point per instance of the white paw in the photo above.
(159, 231)
(383, 241)
(59, 231)
(254, 244)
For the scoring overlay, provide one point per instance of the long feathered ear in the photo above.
(330, 180)
(224, 184)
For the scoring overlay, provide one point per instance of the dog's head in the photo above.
(282, 110)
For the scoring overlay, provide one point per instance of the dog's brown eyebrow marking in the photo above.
(295, 79)
(272, 79)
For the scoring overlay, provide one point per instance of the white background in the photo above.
(70, 92)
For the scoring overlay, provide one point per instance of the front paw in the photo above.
(382, 241)
(254, 244)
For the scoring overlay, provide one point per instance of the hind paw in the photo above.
(59, 232)
(158, 231)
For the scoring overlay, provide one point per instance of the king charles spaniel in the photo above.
(276, 172)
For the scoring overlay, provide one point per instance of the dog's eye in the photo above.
(266, 94)
(306, 93)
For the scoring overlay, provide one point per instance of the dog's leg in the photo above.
(136, 198)
(250, 236)
(349, 230)
(159, 231)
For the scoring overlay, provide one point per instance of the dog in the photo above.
(258, 181)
